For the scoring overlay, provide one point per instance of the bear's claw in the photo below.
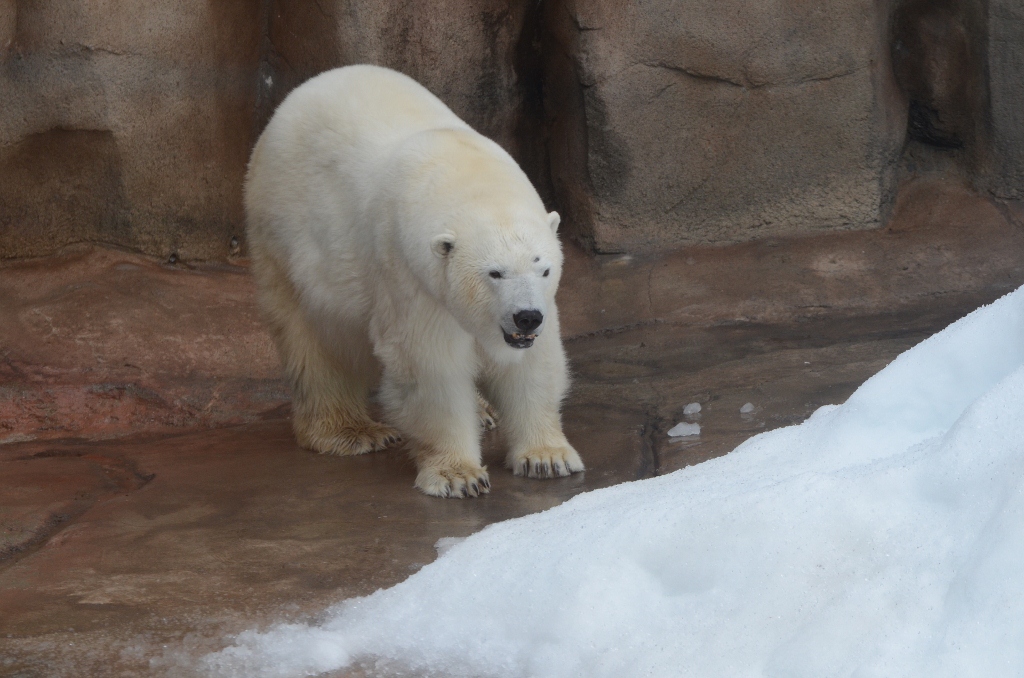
(488, 417)
(459, 482)
(487, 421)
(547, 462)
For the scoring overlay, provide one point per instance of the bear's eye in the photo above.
(546, 272)
(495, 274)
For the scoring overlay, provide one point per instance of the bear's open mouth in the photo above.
(518, 340)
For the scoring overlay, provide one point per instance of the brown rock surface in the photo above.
(714, 122)
(943, 242)
(125, 123)
(100, 343)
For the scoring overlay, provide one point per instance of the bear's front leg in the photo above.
(528, 395)
(438, 412)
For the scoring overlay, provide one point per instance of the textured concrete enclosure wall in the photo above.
(125, 122)
(723, 120)
(650, 125)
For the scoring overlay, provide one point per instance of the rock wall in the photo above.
(465, 51)
(649, 125)
(125, 122)
(722, 120)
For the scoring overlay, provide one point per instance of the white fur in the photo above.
(376, 217)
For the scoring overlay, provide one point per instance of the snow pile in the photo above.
(884, 537)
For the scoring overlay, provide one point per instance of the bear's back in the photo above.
(361, 106)
(324, 153)
(319, 166)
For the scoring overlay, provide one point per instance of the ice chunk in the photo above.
(684, 429)
(747, 409)
(692, 408)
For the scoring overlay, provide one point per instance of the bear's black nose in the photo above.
(528, 321)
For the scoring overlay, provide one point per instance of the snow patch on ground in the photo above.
(883, 537)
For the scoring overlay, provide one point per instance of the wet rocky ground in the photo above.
(152, 500)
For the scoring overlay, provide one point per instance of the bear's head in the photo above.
(496, 257)
(500, 280)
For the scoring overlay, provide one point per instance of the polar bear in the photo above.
(396, 248)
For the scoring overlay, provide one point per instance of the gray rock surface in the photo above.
(131, 124)
(125, 122)
(649, 125)
(721, 121)
(1006, 73)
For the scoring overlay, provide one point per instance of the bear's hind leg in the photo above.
(330, 414)
(330, 403)
(329, 392)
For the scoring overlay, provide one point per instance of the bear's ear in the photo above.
(553, 221)
(442, 244)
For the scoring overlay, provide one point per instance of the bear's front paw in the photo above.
(460, 481)
(547, 462)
